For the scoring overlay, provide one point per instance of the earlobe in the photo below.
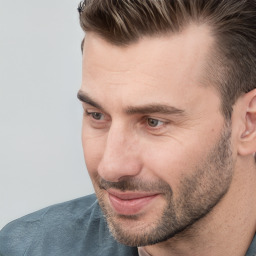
(247, 140)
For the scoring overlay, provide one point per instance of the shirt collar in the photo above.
(142, 252)
(251, 251)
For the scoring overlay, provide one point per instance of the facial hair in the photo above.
(197, 194)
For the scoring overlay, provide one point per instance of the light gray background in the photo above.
(41, 159)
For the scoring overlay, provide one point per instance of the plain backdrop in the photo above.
(41, 158)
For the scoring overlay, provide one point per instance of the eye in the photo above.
(95, 115)
(154, 122)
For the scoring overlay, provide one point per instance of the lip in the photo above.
(130, 203)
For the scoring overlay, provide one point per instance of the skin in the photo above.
(125, 142)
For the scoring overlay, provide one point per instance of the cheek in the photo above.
(172, 162)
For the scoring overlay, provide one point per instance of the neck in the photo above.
(227, 230)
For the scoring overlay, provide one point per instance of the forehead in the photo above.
(169, 67)
(193, 42)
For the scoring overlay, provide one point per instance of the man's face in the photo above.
(156, 145)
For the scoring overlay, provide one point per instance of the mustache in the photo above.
(135, 184)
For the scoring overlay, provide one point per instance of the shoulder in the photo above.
(76, 227)
(17, 236)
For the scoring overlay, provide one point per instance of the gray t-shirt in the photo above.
(77, 228)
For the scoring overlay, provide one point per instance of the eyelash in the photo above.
(92, 113)
(145, 120)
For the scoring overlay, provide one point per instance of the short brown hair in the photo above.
(232, 22)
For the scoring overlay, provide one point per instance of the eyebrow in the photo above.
(84, 97)
(155, 108)
(132, 110)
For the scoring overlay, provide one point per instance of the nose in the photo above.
(121, 157)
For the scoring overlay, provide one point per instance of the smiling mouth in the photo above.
(130, 203)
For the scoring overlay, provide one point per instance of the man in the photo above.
(169, 135)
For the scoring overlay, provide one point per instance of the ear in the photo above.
(247, 140)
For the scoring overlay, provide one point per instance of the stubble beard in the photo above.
(197, 195)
